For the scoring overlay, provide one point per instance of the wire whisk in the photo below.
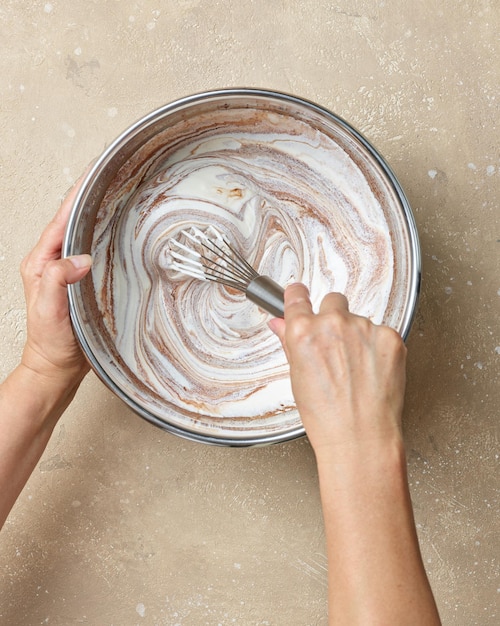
(213, 258)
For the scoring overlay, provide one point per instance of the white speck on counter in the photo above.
(112, 112)
(141, 609)
(432, 173)
(70, 132)
(490, 170)
(429, 101)
(48, 8)
(497, 349)
(78, 51)
(471, 166)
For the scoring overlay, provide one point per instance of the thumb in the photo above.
(81, 264)
(57, 275)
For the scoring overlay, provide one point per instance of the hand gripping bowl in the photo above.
(300, 193)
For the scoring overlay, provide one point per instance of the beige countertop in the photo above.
(123, 524)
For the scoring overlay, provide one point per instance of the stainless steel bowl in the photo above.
(111, 172)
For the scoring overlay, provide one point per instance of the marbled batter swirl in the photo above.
(292, 201)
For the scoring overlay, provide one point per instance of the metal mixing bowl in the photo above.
(89, 327)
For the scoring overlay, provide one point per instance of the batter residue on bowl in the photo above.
(289, 199)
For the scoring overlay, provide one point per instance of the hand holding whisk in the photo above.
(213, 258)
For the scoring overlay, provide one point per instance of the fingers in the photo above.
(277, 325)
(297, 301)
(334, 302)
(297, 304)
(300, 320)
(57, 275)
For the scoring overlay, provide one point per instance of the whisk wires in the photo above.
(213, 258)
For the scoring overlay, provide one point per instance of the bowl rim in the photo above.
(139, 126)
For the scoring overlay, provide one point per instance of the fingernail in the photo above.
(271, 325)
(81, 261)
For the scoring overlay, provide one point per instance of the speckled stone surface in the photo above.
(122, 524)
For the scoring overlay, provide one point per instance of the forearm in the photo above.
(29, 409)
(375, 568)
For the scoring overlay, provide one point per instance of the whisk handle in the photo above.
(266, 293)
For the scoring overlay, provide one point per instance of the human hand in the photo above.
(51, 350)
(347, 374)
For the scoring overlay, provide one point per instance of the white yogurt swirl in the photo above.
(291, 201)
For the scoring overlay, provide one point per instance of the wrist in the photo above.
(366, 457)
(41, 397)
(363, 481)
(70, 372)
